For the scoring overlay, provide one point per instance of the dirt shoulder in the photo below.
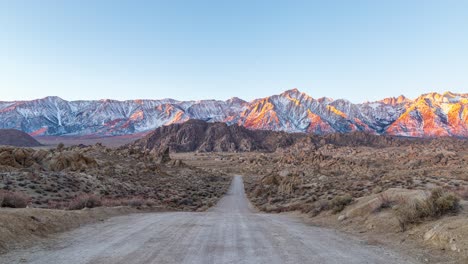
(442, 240)
(434, 240)
(24, 227)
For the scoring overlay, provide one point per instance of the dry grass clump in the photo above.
(136, 202)
(439, 203)
(13, 199)
(132, 202)
(462, 192)
(112, 202)
(339, 203)
(85, 201)
(91, 201)
(384, 202)
(319, 206)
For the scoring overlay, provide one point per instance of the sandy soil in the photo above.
(231, 232)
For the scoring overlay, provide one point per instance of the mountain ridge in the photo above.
(429, 115)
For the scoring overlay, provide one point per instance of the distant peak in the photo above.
(294, 93)
(52, 98)
(444, 97)
(236, 100)
(290, 91)
(401, 97)
(107, 100)
(394, 100)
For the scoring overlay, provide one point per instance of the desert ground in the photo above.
(230, 232)
(324, 201)
(388, 194)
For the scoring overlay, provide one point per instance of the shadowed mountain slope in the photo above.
(17, 138)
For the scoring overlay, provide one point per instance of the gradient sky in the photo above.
(359, 50)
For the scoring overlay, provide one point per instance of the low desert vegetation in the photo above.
(385, 202)
(440, 202)
(320, 206)
(13, 199)
(132, 202)
(92, 201)
(462, 192)
(339, 203)
(336, 205)
(54, 178)
(85, 201)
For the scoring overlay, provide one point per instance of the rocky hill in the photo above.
(201, 136)
(197, 135)
(17, 138)
(429, 115)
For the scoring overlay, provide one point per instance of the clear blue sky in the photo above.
(359, 50)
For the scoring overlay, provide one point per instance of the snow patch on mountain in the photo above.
(430, 114)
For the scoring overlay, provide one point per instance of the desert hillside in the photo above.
(201, 136)
(57, 178)
(17, 138)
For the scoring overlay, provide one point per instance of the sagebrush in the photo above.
(13, 199)
(85, 201)
(440, 202)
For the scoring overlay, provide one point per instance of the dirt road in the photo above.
(231, 232)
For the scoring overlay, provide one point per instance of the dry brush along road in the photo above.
(230, 232)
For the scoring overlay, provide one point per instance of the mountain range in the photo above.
(429, 115)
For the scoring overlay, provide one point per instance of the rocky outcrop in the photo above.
(55, 177)
(43, 160)
(163, 157)
(201, 136)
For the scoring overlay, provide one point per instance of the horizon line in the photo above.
(231, 98)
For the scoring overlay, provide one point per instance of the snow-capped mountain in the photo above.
(429, 115)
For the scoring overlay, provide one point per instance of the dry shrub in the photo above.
(133, 202)
(60, 146)
(85, 201)
(306, 208)
(462, 192)
(150, 202)
(439, 203)
(13, 199)
(112, 202)
(339, 203)
(384, 202)
(319, 206)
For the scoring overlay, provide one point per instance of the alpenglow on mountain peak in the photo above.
(429, 115)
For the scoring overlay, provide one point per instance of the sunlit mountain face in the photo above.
(429, 115)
